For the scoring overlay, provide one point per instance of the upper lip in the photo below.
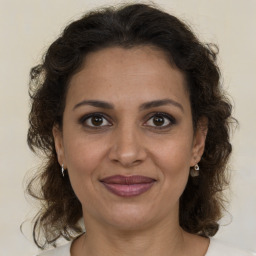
(127, 180)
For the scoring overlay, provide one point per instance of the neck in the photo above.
(161, 239)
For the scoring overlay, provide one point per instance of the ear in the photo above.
(199, 140)
(58, 141)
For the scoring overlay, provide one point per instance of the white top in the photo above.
(216, 248)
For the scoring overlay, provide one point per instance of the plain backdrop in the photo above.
(27, 27)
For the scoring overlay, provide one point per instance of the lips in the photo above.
(128, 186)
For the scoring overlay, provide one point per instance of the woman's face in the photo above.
(127, 139)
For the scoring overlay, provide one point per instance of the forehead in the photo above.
(142, 73)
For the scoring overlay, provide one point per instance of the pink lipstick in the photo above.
(128, 186)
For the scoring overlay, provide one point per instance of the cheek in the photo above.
(173, 159)
(83, 159)
(175, 166)
(82, 154)
(174, 153)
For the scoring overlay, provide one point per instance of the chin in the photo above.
(130, 218)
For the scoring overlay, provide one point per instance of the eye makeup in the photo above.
(155, 120)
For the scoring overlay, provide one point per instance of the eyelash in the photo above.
(171, 120)
(87, 117)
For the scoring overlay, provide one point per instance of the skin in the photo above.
(130, 142)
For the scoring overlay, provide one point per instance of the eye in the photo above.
(160, 120)
(95, 120)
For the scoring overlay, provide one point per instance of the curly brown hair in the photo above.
(201, 203)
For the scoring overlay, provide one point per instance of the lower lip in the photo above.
(128, 190)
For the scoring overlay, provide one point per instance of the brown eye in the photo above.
(158, 120)
(95, 120)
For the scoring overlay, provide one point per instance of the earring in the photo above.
(62, 170)
(194, 172)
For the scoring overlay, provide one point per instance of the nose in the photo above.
(127, 147)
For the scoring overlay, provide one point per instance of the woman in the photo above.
(128, 109)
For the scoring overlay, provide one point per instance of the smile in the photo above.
(128, 186)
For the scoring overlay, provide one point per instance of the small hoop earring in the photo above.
(63, 170)
(194, 172)
(196, 167)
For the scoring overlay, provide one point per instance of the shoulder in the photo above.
(63, 250)
(218, 248)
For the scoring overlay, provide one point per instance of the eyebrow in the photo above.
(95, 103)
(158, 103)
(144, 106)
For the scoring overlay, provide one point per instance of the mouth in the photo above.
(128, 186)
